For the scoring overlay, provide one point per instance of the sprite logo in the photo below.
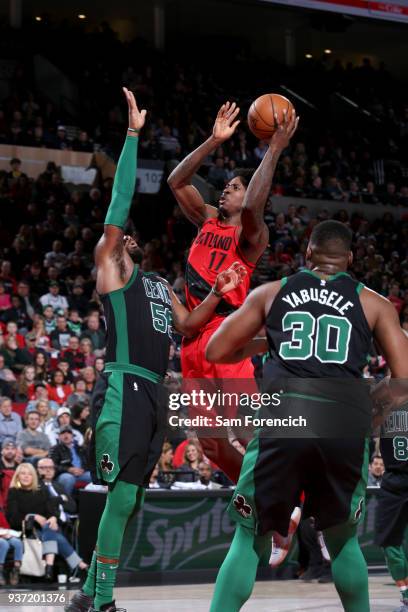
(179, 533)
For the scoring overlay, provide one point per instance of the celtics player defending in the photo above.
(320, 323)
(129, 405)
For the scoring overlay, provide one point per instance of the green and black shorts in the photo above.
(128, 423)
(332, 473)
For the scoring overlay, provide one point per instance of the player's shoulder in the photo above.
(369, 296)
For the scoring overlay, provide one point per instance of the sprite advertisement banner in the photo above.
(189, 531)
(178, 531)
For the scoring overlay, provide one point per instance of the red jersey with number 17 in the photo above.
(213, 250)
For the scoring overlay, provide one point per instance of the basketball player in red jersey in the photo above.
(235, 231)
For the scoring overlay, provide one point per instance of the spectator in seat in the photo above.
(34, 443)
(77, 300)
(80, 417)
(9, 455)
(89, 376)
(75, 321)
(66, 504)
(62, 419)
(7, 278)
(193, 455)
(99, 366)
(375, 471)
(395, 298)
(50, 322)
(10, 422)
(96, 335)
(205, 476)
(58, 390)
(18, 314)
(73, 354)
(61, 334)
(79, 396)
(166, 468)
(5, 301)
(88, 357)
(45, 412)
(7, 377)
(25, 385)
(9, 541)
(69, 460)
(56, 257)
(169, 144)
(41, 393)
(54, 299)
(28, 501)
(15, 358)
(29, 303)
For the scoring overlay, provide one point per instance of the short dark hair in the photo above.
(331, 231)
(245, 174)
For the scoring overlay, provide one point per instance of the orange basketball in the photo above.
(261, 114)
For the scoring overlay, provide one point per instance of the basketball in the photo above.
(261, 114)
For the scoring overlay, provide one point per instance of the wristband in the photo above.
(216, 293)
(135, 130)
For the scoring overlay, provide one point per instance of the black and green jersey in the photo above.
(138, 321)
(317, 328)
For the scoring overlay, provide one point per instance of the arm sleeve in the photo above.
(124, 184)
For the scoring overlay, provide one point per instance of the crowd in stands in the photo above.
(52, 335)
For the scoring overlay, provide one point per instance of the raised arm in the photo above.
(114, 265)
(234, 339)
(189, 323)
(254, 235)
(189, 198)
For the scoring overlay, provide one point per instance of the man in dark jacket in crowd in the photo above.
(70, 461)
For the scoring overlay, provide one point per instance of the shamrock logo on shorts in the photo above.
(242, 506)
(106, 464)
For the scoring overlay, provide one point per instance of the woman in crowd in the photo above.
(25, 386)
(26, 500)
(41, 337)
(80, 417)
(193, 455)
(41, 366)
(166, 468)
(57, 389)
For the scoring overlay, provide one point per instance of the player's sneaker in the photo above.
(403, 608)
(109, 607)
(79, 603)
(280, 544)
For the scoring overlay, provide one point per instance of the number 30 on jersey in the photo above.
(327, 338)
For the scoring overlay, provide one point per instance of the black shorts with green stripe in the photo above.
(128, 423)
(332, 473)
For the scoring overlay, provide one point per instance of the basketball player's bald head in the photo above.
(330, 243)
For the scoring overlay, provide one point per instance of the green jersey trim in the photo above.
(129, 368)
(117, 299)
(359, 288)
(329, 278)
(284, 280)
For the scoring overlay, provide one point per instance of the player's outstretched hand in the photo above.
(285, 130)
(230, 279)
(136, 117)
(225, 123)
